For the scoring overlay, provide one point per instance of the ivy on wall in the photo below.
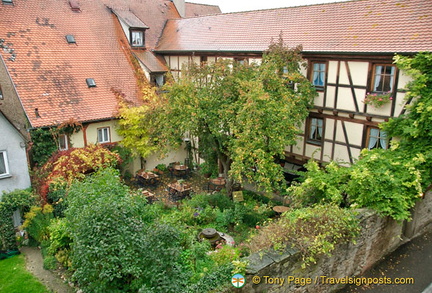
(44, 141)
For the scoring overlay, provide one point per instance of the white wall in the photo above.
(13, 143)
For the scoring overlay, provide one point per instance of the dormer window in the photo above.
(133, 27)
(137, 38)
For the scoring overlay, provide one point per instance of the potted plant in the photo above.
(378, 99)
(160, 169)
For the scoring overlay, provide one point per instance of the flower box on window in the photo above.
(377, 99)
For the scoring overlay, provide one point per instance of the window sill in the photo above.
(5, 176)
(314, 142)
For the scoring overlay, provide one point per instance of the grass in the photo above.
(14, 278)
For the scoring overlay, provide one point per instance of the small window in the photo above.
(90, 82)
(63, 142)
(289, 83)
(315, 130)
(137, 38)
(70, 39)
(241, 61)
(376, 139)
(103, 135)
(383, 78)
(318, 75)
(7, 1)
(1, 93)
(4, 167)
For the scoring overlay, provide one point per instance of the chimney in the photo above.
(180, 6)
(75, 6)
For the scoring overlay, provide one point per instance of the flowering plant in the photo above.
(377, 99)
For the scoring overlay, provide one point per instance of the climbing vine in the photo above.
(44, 141)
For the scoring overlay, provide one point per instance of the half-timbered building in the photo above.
(349, 47)
(65, 60)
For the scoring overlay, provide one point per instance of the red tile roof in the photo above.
(152, 62)
(50, 74)
(361, 26)
(129, 18)
(195, 9)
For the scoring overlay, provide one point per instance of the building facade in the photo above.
(66, 61)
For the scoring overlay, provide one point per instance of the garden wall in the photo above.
(379, 236)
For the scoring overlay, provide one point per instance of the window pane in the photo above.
(383, 79)
(316, 129)
(137, 38)
(2, 163)
(377, 139)
(318, 77)
(99, 133)
(103, 135)
(63, 145)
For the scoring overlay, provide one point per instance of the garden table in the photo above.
(180, 171)
(216, 184)
(147, 178)
(150, 196)
(179, 191)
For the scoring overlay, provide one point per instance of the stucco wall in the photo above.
(13, 143)
(379, 236)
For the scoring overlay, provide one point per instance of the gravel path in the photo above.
(34, 264)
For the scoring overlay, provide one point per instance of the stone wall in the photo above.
(274, 272)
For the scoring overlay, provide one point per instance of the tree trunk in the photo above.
(226, 163)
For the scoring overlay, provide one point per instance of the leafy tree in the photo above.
(414, 128)
(246, 114)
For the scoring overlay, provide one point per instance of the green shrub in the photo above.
(225, 255)
(313, 231)
(60, 241)
(162, 167)
(383, 180)
(57, 198)
(37, 221)
(114, 248)
(50, 262)
(10, 202)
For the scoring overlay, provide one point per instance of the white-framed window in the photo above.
(63, 142)
(103, 135)
(137, 38)
(318, 75)
(315, 130)
(4, 166)
(376, 139)
(383, 78)
(1, 93)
